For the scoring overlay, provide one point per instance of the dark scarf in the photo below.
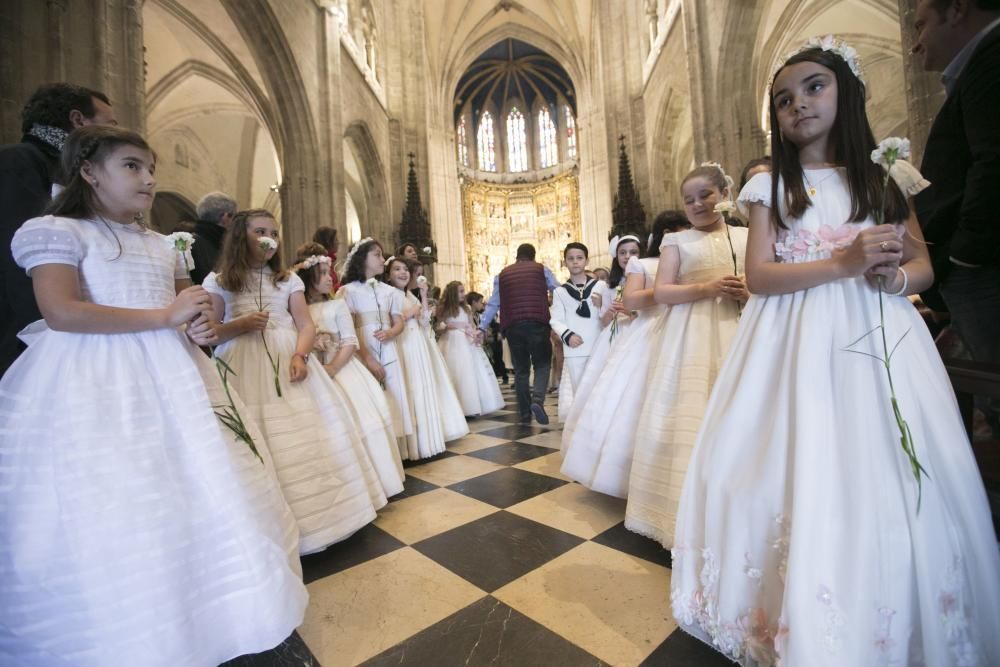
(53, 136)
(581, 295)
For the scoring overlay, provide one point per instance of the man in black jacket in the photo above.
(215, 213)
(28, 171)
(959, 212)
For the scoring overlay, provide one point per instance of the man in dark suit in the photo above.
(27, 172)
(959, 213)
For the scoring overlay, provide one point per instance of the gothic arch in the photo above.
(358, 140)
(258, 108)
(243, 76)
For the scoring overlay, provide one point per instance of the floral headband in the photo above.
(389, 260)
(354, 248)
(313, 260)
(848, 53)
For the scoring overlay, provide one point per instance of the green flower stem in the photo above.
(229, 415)
(274, 364)
(905, 436)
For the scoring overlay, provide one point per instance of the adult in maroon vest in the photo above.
(520, 293)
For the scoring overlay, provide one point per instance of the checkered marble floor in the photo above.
(490, 556)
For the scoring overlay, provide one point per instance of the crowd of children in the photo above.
(726, 381)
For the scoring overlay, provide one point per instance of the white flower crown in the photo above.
(847, 52)
(354, 249)
(386, 262)
(725, 176)
(313, 260)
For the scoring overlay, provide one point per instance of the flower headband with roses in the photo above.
(847, 52)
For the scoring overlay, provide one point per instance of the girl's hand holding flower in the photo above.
(383, 335)
(375, 368)
(189, 304)
(297, 370)
(201, 331)
(734, 288)
(873, 246)
(255, 321)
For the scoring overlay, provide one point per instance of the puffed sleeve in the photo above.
(344, 322)
(668, 240)
(47, 240)
(634, 266)
(295, 283)
(756, 191)
(211, 285)
(396, 301)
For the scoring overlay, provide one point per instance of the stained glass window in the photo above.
(484, 142)
(548, 147)
(570, 134)
(463, 146)
(517, 142)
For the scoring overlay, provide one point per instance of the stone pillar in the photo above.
(93, 43)
(332, 127)
(924, 92)
(723, 104)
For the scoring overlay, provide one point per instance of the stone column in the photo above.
(93, 43)
(924, 92)
(332, 125)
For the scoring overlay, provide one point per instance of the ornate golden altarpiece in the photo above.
(499, 217)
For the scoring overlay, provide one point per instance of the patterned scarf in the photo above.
(53, 136)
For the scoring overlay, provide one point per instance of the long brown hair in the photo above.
(853, 142)
(450, 304)
(234, 262)
(311, 275)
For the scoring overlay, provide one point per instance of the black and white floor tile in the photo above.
(491, 557)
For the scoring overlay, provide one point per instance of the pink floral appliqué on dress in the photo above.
(806, 244)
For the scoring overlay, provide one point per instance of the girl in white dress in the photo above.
(461, 345)
(335, 346)
(136, 530)
(799, 538)
(377, 309)
(424, 394)
(698, 278)
(453, 423)
(597, 441)
(266, 337)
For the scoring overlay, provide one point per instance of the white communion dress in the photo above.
(361, 391)
(798, 536)
(437, 412)
(691, 343)
(135, 528)
(372, 305)
(471, 373)
(325, 471)
(599, 436)
(453, 422)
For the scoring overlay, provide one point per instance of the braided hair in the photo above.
(92, 144)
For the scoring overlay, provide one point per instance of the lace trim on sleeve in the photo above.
(756, 191)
